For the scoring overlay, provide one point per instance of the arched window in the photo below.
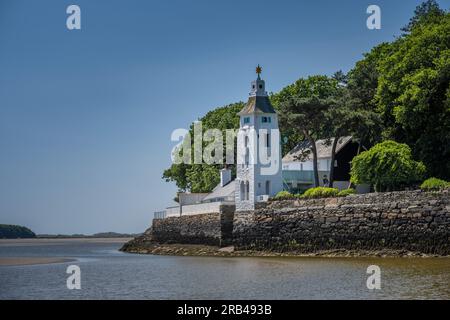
(247, 152)
(247, 190)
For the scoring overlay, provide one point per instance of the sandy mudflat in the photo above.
(58, 241)
(22, 261)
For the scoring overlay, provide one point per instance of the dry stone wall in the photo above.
(410, 220)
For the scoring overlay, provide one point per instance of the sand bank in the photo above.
(23, 261)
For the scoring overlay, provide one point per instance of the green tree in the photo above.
(177, 173)
(319, 86)
(387, 166)
(403, 86)
(426, 12)
(204, 177)
(351, 113)
(303, 106)
(413, 93)
(10, 231)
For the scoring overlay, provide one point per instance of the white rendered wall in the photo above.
(253, 172)
(323, 164)
(200, 208)
(173, 211)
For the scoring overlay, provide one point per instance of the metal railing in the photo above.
(298, 176)
(159, 214)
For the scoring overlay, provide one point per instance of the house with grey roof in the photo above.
(297, 164)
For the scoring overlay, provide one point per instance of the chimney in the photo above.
(225, 176)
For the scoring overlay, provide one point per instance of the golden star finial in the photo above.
(258, 69)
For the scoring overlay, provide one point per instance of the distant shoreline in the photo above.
(11, 231)
(83, 236)
(56, 241)
(76, 237)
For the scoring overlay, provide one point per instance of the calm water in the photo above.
(109, 274)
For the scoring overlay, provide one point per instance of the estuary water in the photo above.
(107, 273)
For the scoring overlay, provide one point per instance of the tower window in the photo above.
(260, 86)
(267, 186)
(265, 119)
(247, 190)
(247, 120)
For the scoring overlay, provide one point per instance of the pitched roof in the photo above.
(221, 192)
(323, 149)
(257, 104)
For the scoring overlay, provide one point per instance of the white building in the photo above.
(258, 130)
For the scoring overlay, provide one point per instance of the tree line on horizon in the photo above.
(398, 92)
(10, 231)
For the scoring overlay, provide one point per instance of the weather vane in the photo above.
(258, 70)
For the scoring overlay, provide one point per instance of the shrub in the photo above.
(387, 166)
(320, 192)
(284, 195)
(346, 192)
(434, 184)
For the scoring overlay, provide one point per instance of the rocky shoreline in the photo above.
(140, 246)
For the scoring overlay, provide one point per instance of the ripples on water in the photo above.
(109, 274)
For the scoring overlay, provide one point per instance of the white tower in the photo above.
(258, 167)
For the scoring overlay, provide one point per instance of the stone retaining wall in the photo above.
(409, 220)
(206, 228)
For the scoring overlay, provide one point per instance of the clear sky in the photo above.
(86, 115)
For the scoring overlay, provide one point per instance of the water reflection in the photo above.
(109, 274)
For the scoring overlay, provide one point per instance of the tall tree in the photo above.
(346, 116)
(426, 12)
(307, 114)
(303, 106)
(204, 177)
(413, 93)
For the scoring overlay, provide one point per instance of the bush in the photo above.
(434, 184)
(387, 166)
(320, 192)
(346, 192)
(284, 195)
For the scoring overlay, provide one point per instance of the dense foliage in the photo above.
(407, 83)
(320, 192)
(9, 231)
(204, 177)
(434, 184)
(284, 195)
(387, 166)
(413, 93)
(346, 192)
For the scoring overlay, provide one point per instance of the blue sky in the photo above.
(86, 115)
